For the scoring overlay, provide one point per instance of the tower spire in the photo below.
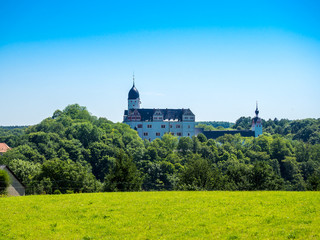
(133, 78)
(257, 110)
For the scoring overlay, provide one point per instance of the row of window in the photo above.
(137, 118)
(162, 126)
(158, 134)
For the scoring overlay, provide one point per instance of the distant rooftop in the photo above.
(4, 148)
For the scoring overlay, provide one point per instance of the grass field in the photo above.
(163, 215)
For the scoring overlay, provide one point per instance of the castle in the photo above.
(152, 123)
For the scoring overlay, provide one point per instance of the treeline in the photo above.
(214, 125)
(307, 130)
(74, 151)
(7, 133)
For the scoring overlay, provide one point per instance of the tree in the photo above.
(67, 175)
(26, 171)
(197, 175)
(239, 176)
(184, 145)
(290, 171)
(313, 183)
(123, 176)
(4, 181)
(263, 178)
(202, 138)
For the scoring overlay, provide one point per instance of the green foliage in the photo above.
(197, 175)
(215, 124)
(75, 151)
(313, 183)
(306, 130)
(67, 175)
(123, 175)
(4, 181)
(25, 171)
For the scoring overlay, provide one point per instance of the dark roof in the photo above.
(168, 114)
(255, 119)
(216, 134)
(133, 93)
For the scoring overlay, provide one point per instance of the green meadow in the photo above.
(162, 215)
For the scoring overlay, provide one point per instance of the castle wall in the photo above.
(152, 130)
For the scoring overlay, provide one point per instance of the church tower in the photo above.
(133, 98)
(257, 124)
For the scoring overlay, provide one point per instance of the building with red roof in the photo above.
(4, 148)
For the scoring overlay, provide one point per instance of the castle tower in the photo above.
(133, 98)
(257, 124)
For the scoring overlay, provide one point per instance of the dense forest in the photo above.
(73, 151)
(306, 130)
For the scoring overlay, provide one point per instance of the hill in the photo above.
(163, 215)
(73, 151)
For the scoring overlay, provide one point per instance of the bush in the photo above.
(4, 181)
(57, 191)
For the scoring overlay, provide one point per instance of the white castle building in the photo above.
(152, 123)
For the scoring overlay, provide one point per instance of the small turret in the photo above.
(133, 97)
(257, 123)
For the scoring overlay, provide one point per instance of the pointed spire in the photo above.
(257, 110)
(133, 78)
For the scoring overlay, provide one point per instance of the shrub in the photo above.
(4, 181)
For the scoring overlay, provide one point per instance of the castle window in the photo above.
(149, 126)
(158, 134)
(139, 125)
(186, 118)
(188, 126)
(177, 126)
(170, 126)
(163, 126)
(145, 134)
(188, 134)
(179, 134)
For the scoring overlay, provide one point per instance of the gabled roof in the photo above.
(4, 148)
(168, 114)
(6, 168)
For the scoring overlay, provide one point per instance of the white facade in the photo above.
(152, 130)
(257, 127)
(134, 103)
(154, 123)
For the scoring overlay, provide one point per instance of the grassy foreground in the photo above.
(163, 215)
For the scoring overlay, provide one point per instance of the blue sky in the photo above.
(215, 57)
